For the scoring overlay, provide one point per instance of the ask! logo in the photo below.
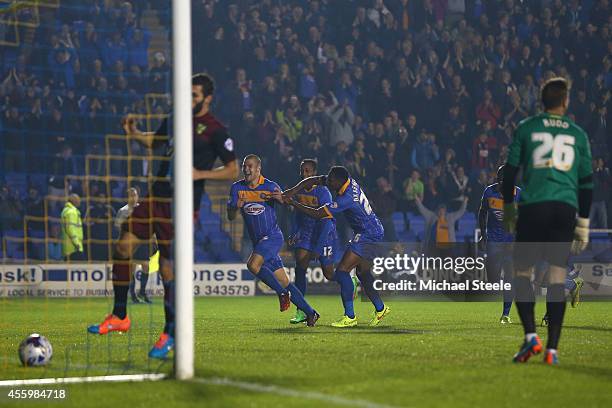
(200, 128)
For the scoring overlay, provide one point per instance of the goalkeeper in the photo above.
(555, 157)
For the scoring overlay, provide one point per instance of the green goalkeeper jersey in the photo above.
(555, 156)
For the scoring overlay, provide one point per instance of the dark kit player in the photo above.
(154, 214)
(555, 157)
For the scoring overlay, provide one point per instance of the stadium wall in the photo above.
(94, 280)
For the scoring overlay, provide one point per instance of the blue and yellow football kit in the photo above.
(318, 236)
(493, 203)
(259, 217)
(353, 203)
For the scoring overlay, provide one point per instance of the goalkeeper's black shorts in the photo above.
(544, 231)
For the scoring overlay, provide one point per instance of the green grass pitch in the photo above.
(424, 354)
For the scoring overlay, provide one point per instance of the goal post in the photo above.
(183, 188)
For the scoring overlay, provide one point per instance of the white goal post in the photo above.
(183, 188)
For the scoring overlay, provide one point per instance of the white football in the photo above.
(35, 350)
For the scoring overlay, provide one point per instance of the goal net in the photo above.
(72, 71)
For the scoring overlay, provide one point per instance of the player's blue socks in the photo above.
(169, 307)
(298, 299)
(300, 278)
(346, 292)
(507, 307)
(144, 279)
(570, 284)
(367, 284)
(267, 276)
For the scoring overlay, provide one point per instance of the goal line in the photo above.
(79, 380)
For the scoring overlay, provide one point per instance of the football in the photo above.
(35, 350)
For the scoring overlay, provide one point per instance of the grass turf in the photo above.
(423, 354)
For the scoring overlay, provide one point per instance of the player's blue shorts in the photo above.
(366, 246)
(499, 257)
(269, 247)
(308, 241)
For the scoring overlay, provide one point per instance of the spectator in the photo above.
(115, 49)
(460, 187)
(475, 190)
(488, 111)
(159, 76)
(440, 226)
(413, 189)
(601, 194)
(10, 209)
(35, 208)
(342, 120)
(13, 141)
(289, 124)
(482, 151)
(308, 84)
(425, 152)
(361, 162)
(54, 244)
(72, 230)
(384, 204)
(138, 50)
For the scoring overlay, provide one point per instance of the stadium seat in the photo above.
(14, 249)
(417, 225)
(467, 225)
(406, 236)
(398, 222)
(39, 181)
(17, 182)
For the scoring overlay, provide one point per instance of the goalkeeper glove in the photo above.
(581, 235)
(510, 216)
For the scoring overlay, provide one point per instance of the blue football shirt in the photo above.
(258, 212)
(493, 203)
(352, 201)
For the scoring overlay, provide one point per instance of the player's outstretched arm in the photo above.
(307, 183)
(129, 126)
(316, 213)
(226, 172)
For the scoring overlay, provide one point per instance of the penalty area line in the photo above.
(289, 392)
(80, 380)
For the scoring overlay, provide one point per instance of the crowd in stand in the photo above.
(417, 98)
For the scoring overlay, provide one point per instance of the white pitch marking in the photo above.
(289, 392)
(77, 380)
